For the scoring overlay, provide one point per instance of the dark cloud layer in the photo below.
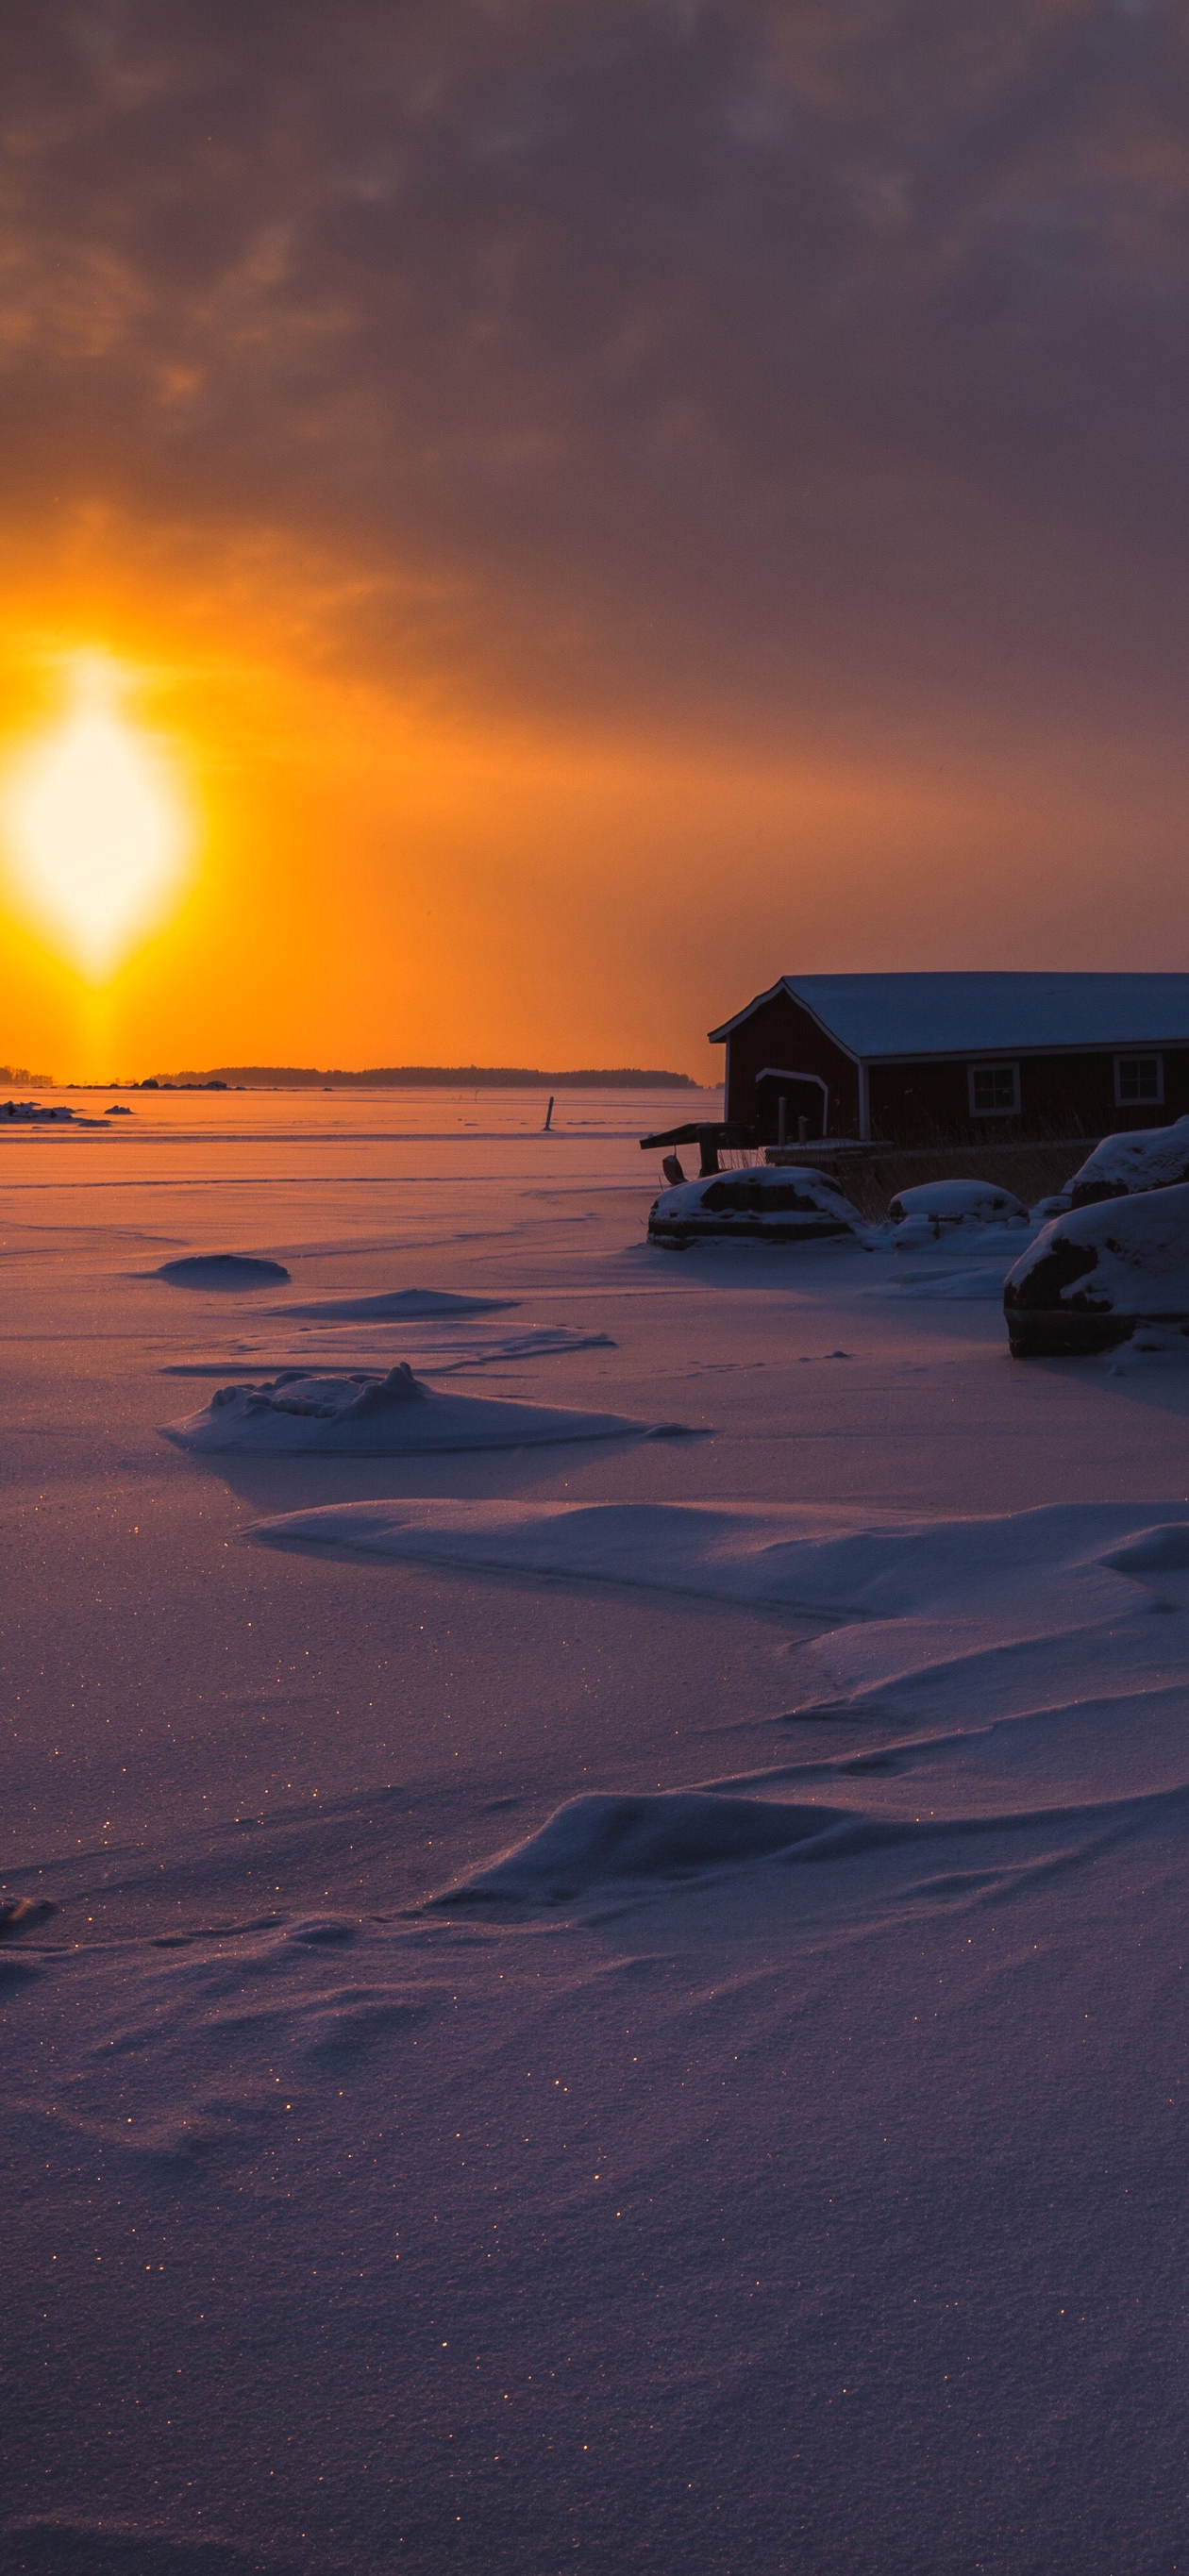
(821, 364)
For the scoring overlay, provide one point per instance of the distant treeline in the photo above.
(453, 1077)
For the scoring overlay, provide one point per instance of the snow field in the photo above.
(607, 2001)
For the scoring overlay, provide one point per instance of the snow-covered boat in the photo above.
(764, 1204)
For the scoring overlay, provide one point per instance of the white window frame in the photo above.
(1149, 1099)
(1006, 1111)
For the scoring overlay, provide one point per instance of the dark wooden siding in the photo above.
(1060, 1095)
(780, 1033)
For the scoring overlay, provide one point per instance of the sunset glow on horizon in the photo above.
(95, 825)
(591, 551)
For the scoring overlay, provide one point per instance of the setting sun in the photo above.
(95, 825)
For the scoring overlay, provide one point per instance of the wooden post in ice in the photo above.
(548, 1117)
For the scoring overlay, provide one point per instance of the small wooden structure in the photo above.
(949, 1060)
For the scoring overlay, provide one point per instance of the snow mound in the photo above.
(604, 1840)
(769, 1203)
(369, 1415)
(1091, 1276)
(29, 1112)
(222, 1270)
(1145, 1158)
(397, 1305)
(951, 1203)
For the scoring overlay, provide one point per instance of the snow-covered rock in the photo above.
(946, 1203)
(1093, 1275)
(1146, 1158)
(770, 1204)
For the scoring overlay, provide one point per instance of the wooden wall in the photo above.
(780, 1033)
(1060, 1095)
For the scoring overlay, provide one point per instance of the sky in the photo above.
(595, 506)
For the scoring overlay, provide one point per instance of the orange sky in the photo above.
(375, 885)
(596, 524)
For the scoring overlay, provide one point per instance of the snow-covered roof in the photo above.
(890, 1016)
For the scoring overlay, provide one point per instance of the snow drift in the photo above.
(604, 1840)
(1036, 1571)
(396, 1306)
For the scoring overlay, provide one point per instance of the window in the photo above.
(1138, 1078)
(994, 1090)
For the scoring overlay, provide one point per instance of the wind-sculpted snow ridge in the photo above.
(370, 1415)
(1004, 1665)
(607, 1844)
(1041, 1570)
(605, 1840)
(394, 1305)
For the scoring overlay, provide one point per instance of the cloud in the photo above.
(797, 366)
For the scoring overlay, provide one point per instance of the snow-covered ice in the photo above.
(605, 2003)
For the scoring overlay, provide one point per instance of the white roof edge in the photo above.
(783, 984)
(715, 1036)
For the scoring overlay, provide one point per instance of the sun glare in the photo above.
(95, 825)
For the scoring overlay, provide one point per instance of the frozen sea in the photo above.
(616, 1996)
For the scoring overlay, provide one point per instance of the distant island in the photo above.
(451, 1077)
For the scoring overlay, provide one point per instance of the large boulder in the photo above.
(766, 1204)
(1090, 1277)
(1146, 1158)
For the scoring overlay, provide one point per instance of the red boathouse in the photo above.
(956, 1059)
